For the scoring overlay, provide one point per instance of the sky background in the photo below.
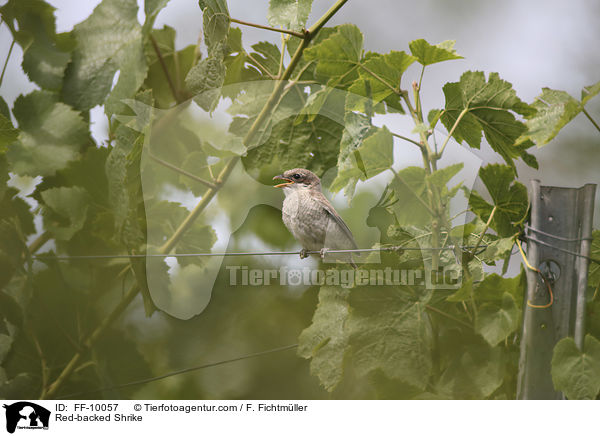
(532, 44)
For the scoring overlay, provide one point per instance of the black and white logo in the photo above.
(26, 415)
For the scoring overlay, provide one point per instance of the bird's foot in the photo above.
(303, 253)
(323, 252)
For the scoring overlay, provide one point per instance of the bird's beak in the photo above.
(281, 185)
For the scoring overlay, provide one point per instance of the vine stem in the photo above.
(406, 139)
(89, 342)
(460, 116)
(206, 198)
(487, 226)
(381, 80)
(12, 44)
(164, 68)
(224, 174)
(39, 242)
(586, 113)
(425, 205)
(181, 171)
(272, 29)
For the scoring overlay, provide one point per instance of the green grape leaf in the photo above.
(118, 358)
(577, 372)
(312, 145)
(4, 176)
(151, 10)
(22, 385)
(367, 96)
(177, 62)
(234, 40)
(433, 117)
(133, 71)
(474, 106)
(66, 210)
(427, 54)
(291, 14)
(6, 339)
(4, 110)
(45, 54)
(410, 187)
(110, 39)
(471, 369)
(124, 186)
(589, 92)
(364, 152)
(493, 287)
(592, 317)
(88, 173)
(267, 55)
(555, 109)
(8, 134)
(442, 177)
(337, 57)
(12, 246)
(390, 335)
(381, 75)
(215, 16)
(51, 135)
(509, 199)
(325, 341)
(386, 68)
(193, 163)
(497, 249)
(199, 238)
(204, 80)
(17, 210)
(496, 321)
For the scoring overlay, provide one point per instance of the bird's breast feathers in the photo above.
(310, 219)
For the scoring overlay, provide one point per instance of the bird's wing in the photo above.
(337, 218)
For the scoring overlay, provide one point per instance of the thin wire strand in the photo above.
(560, 238)
(256, 253)
(178, 372)
(572, 253)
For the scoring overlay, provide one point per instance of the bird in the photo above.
(311, 218)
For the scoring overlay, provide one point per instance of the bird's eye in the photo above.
(297, 176)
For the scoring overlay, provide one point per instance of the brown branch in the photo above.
(589, 117)
(12, 44)
(39, 242)
(182, 171)
(407, 139)
(272, 29)
(164, 68)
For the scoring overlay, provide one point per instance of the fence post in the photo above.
(560, 228)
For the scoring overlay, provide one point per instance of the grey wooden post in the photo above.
(560, 230)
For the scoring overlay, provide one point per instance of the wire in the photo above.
(178, 372)
(529, 303)
(560, 238)
(268, 253)
(572, 253)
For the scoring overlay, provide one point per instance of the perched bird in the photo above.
(310, 217)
